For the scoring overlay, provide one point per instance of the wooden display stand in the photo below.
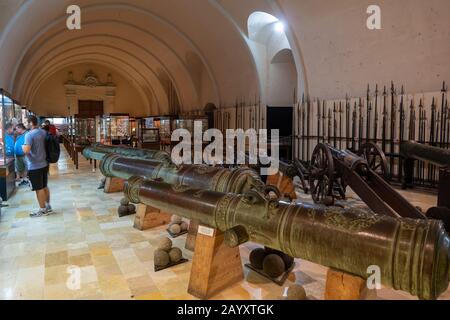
(148, 217)
(284, 184)
(343, 286)
(192, 235)
(113, 185)
(215, 266)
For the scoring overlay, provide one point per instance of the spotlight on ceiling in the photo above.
(279, 26)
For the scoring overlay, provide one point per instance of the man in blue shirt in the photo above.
(9, 140)
(20, 163)
(35, 151)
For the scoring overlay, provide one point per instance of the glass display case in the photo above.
(114, 129)
(68, 130)
(24, 115)
(7, 140)
(188, 123)
(165, 130)
(134, 123)
(148, 133)
(84, 131)
(17, 112)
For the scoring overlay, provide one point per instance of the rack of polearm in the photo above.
(386, 116)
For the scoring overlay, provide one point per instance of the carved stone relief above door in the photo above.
(90, 88)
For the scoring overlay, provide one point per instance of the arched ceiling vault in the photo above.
(110, 62)
(125, 39)
(139, 39)
(44, 55)
(119, 56)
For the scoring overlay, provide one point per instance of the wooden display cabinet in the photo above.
(148, 133)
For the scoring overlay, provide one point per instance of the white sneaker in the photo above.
(49, 208)
(39, 213)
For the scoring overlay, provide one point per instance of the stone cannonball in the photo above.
(257, 257)
(165, 244)
(161, 258)
(131, 208)
(288, 260)
(175, 228)
(122, 211)
(175, 255)
(184, 226)
(273, 265)
(175, 219)
(296, 292)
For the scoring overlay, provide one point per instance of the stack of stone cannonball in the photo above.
(126, 208)
(166, 254)
(177, 225)
(272, 262)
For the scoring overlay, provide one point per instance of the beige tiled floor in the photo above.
(114, 260)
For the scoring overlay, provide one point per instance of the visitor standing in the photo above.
(51, 128)
(20, 163)
(9, 140)
(35, 150)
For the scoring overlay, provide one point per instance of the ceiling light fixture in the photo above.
(279, 26)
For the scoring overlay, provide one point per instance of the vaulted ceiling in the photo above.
(202, 46)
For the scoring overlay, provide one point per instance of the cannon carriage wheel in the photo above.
(321, 175)
(375, 157)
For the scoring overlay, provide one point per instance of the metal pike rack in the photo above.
(384, 117)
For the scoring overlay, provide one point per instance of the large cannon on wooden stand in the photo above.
(413, 254)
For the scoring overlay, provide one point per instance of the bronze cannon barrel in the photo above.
(98, 151)
(419, 151)
(237, 180)
(349, 159)
(413, 255)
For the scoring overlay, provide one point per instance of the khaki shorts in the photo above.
(20, 164)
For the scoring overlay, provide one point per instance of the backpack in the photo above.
(52, 148)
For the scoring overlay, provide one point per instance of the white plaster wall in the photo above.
(341, 55)
(281, 83)
(259, 52)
